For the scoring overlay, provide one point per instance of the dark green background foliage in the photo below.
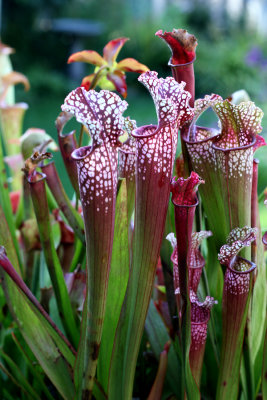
(226, 59)
(41, 53)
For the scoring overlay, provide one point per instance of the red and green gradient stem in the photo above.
(39, 199)
(185, 201)
(155, 152)
(152, 199)
(99, 218)
(101, 112)
(200, 315)
(184, 217)
(257, 309)
(236, 296)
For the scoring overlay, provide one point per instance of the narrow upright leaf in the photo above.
(118, 279)
(51, 350)
(155, 152)
(236, 295)
(97, 174)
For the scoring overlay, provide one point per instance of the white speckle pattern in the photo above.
(195, 260)
(156, 152)
(101, 112)
(170, 98)
(239, 123)
(93, 109)
(239, 127)
(200, 314)
(236, 164)
(201, 151)
(156, 146)
(237, 280)
(197, 238)
(97, 174)
(237, 239)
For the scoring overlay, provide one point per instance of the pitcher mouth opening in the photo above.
(214, 133)
(145, 131)
(81, 153)
(186, 205)
(170, 64)
(236, 259)
(227, 150)
(36, 177)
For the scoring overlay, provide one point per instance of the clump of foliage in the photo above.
(89, 280)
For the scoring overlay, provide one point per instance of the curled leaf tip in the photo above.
(237, 239)
(172, 239)
(202, 105)
(200, 315)
(239, 123)
(182, 44)
(246, 235)
(198, 237)
(101, 112)
(170, 98)
(14, 78)
(195, 258)
(184, 190)
(36, 139)
(204, 306)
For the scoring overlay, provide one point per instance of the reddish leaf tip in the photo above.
(112, 49)
(182, 45)
(70, 59)
(184, 190)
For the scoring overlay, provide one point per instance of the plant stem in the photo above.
(10, 270)
(38, 193)
(97, 76)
